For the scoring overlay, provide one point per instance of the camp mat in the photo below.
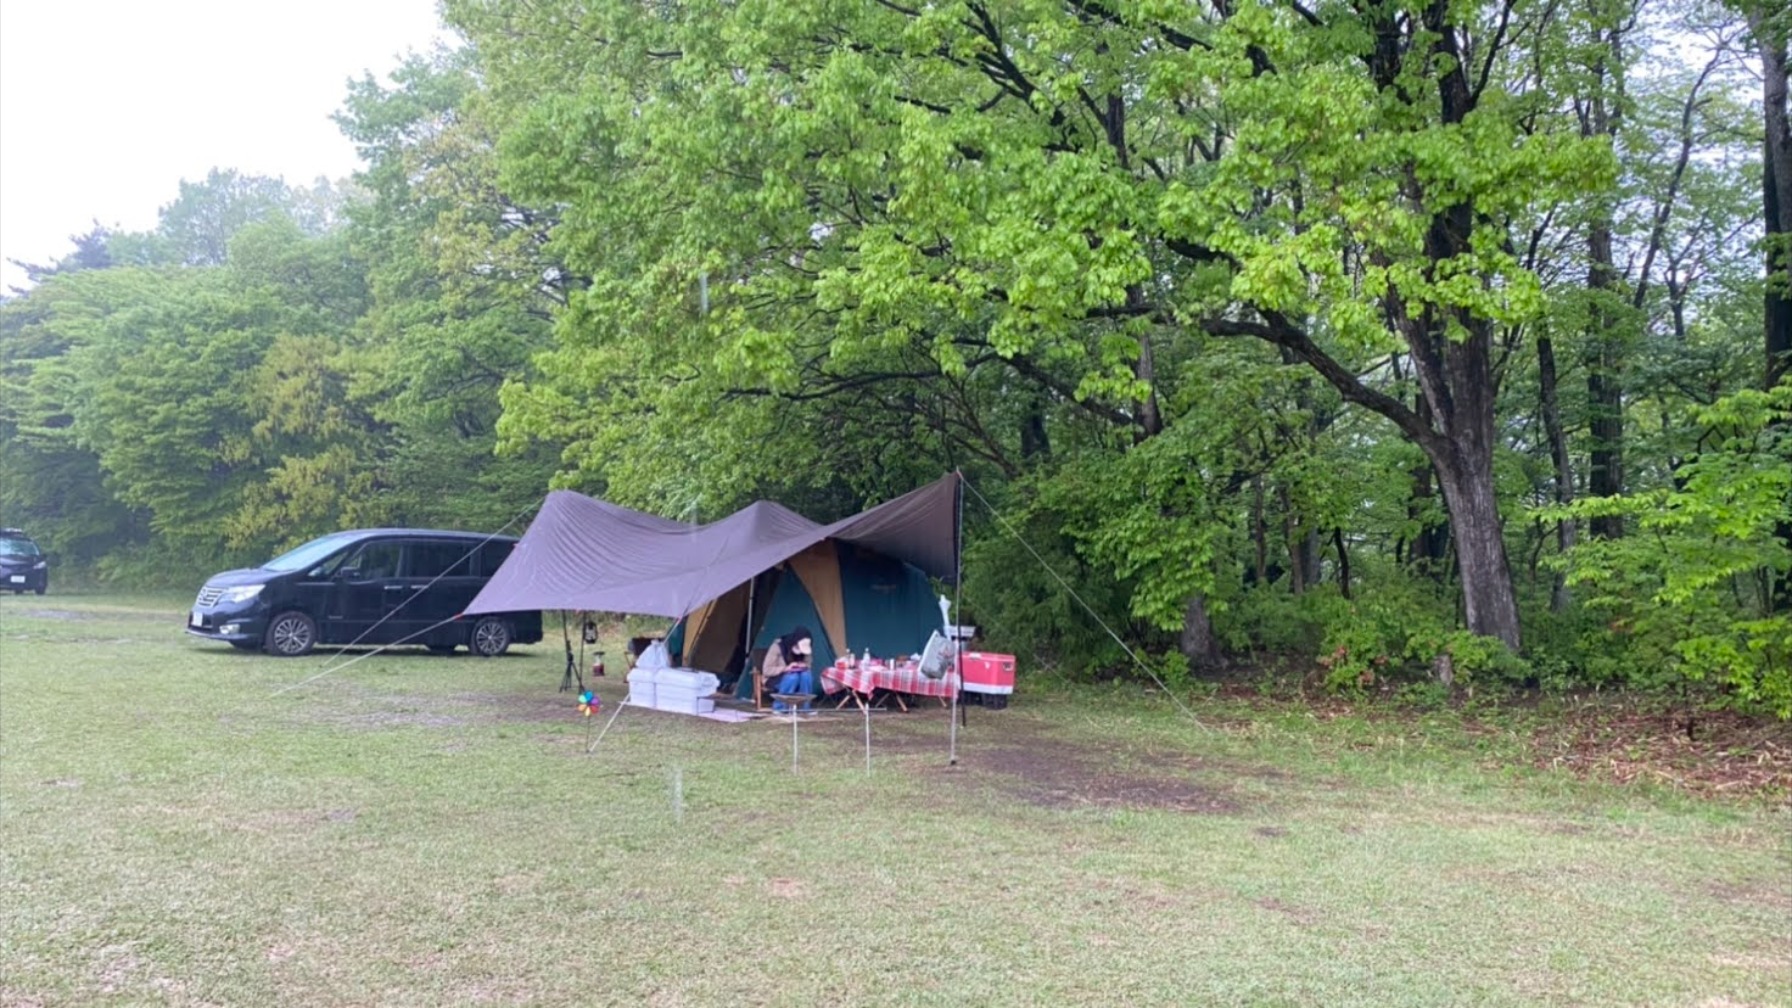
(729, 716)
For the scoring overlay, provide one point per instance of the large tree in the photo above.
(1075, 187)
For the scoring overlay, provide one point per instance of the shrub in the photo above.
(1688, 599)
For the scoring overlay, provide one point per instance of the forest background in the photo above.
(1425, 346)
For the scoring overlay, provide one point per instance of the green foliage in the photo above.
(1687, 599)
(1011, 594)
(684, 256)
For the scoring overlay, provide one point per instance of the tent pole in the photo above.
(572, 670)
(957, 590)
(746, 663)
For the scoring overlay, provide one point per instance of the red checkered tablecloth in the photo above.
(900, 679)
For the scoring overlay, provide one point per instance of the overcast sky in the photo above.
(105, 105)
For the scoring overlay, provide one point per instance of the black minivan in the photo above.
(23, 567)
(367, 586)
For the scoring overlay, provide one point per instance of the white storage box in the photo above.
(686, 704)
(702, 683)
(642, 686)
(676, 697)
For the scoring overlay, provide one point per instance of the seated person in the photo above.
(786, 668)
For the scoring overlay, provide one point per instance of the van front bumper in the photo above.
(231, 627)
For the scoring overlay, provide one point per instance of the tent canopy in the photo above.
(586, 554)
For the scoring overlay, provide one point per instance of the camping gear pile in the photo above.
(654, 683)
(679, 690)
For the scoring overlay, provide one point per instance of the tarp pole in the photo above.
(746, 663)
(957, 590)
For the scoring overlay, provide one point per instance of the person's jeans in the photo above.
(794, 682)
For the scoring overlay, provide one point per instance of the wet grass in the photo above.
(417, 830)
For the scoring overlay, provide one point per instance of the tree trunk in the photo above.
(1776, 203)
(1151, 418)
(1343, 561)
(1297, 575)
(1605, 409)
(1259, 533)
(1605, 388)
(1199, 645)
(1490, 606)
(1307, 553)
(1035, 444)
(1558, 451)
(1431, 543)
(1776, 197)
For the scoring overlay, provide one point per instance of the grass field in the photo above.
(418, 830)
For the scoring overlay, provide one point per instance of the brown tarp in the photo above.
(586, 554)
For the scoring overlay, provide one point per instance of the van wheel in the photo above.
(290, 634)
(42, 588)
(490, 637)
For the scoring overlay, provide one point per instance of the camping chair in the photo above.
(755, 663)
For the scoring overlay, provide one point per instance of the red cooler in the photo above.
(985, 672)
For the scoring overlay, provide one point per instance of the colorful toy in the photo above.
(590, 703)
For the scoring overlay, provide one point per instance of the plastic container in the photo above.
(702, 683)
(643, 686)
(676, 697)
(986, 672)
(686, 704)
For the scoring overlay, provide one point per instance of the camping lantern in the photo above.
(597, 666)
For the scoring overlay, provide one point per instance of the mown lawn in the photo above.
(417, 830)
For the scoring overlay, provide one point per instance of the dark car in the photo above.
(23, 567)
(367, 586)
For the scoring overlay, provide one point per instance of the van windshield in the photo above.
(308, 555)
(17, 547)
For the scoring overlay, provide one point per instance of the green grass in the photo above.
(415, 830)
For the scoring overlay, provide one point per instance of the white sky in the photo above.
(106, 105)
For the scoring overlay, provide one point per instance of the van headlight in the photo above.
(40, 565)
(241, 593)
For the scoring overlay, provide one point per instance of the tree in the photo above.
(197, 227)
(91, 252)
(1071, 187)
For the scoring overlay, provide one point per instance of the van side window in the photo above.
(440, 559)
(492, 556)
(373, 561)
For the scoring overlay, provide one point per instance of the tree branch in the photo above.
(1282, 333)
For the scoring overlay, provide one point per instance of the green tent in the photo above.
(854, 599)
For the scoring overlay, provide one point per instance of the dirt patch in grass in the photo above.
(785, 888)
(1772, 898)
(1057, 774)
(1711, 753)
(119, 615)
(1297, 914)
(1020, 757)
